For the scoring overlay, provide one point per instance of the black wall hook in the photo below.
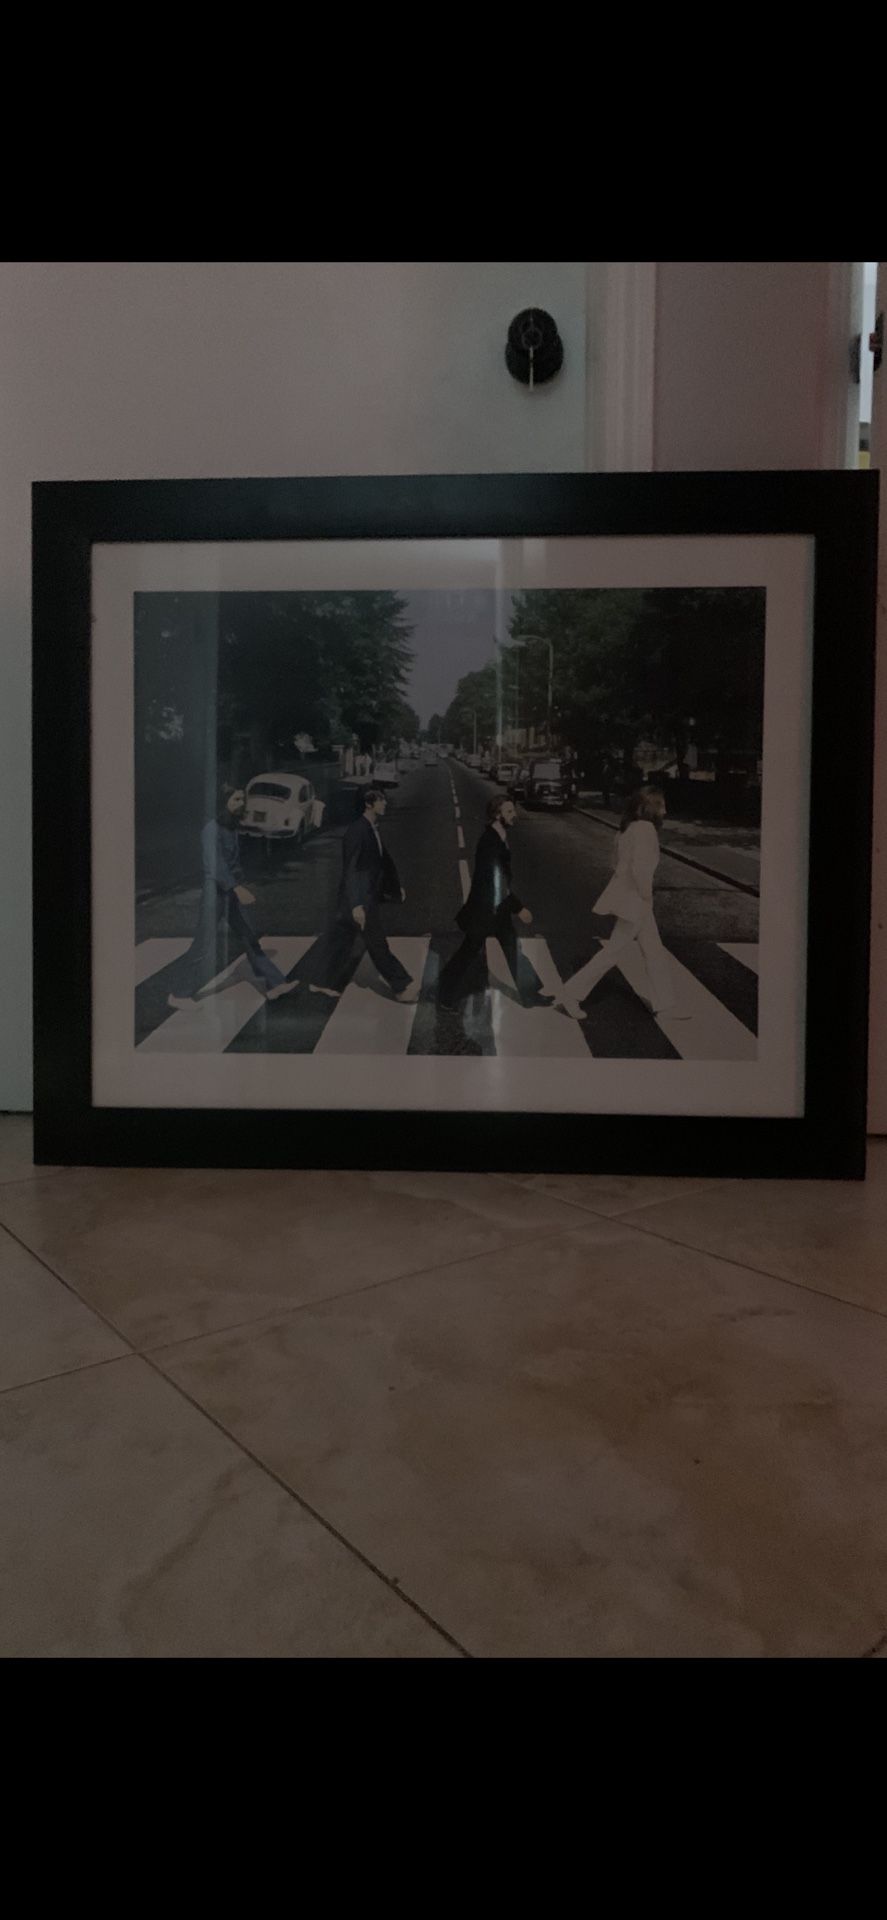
(534, 350)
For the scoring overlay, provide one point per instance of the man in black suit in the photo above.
(487, 914)
(369, 876)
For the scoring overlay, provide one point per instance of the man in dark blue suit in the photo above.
(369, 877)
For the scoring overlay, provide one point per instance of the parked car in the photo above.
(548, 784)
(280, 806)
(473, 760)
(506, 773)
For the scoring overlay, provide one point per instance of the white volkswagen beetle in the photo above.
(280, 806)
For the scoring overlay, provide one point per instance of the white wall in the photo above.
(128, 370)
(867, 325)
(752, 364)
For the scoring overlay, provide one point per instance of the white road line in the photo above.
(151, 955)
(711, 1032)
(525, 1032)
(465, 878)
(458, 813)
(539, 955)
(214, 1020)
(460, 836)
(746, 951)
(365, 1020)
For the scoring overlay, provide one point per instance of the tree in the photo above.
(473, 713)
(590, 633)
(703, 653)
(406, 724)
(367, 661)
(632, 665)
(331, 665)
(224, 682)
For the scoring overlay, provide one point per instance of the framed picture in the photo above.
(485, 822)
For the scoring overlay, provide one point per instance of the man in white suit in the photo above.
(629, 895)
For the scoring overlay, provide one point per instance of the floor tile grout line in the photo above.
(632, 1206)
(353, 1293)
(134, 1353)
(663, 1200)
(576, 1206)
(763, 1273)
(414, 1273)
(300, 1501)
(692, 1246)
(67, 1373)
(71, 1289)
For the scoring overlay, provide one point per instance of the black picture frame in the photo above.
(837, 511)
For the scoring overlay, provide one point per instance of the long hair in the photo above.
(224, 789)
(494, 807)
(642, 804)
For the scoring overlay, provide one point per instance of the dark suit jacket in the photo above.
(368, 876)
(491, 896)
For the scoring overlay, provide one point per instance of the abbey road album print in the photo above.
(490, 825)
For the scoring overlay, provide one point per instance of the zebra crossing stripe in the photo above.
(367, 1021)
(745, 951)
(151, 955)
(224, 1006)
(710, 1032)
(531, 1032)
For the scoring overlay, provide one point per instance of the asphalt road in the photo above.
(560, 863)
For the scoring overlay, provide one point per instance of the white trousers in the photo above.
(646, 933)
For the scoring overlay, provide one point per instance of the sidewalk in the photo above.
(725, 853)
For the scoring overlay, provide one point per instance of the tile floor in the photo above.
(431, 1416)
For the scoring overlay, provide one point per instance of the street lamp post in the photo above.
(514, 646)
